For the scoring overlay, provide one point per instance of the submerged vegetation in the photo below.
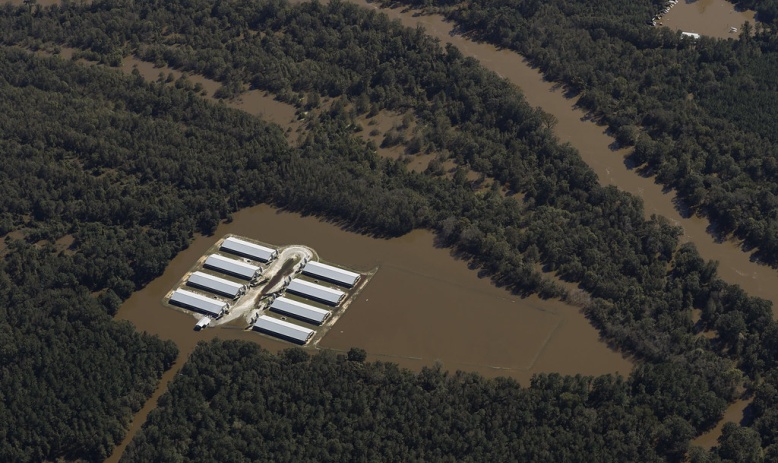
(700, 113)
(131, 169)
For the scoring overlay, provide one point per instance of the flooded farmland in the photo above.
(597, 150)
(421, 307)
(713, 18)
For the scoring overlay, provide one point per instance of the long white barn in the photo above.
(250, 250)
(232, 267)
(215, 284)
(316, 292)
(299, 310)
(282, 329)
(198, 302)
(334, 274)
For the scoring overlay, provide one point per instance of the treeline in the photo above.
(700, 112)
(234, 401)
(766, 10)
(182, 165)
(127, 171)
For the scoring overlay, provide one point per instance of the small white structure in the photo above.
(330, 273)
(203, 323)
(250, 250)
(199, 303)
(316, 292)
(690, 34)
(216, 285)
(300, 311)
(283, 330)
(232, 267)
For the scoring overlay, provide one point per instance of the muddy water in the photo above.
(422, 305)
(595, 147)
(735, 413)
(707, 17)
(253, 101)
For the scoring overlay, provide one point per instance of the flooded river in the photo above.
(595, 146)
(713, 18)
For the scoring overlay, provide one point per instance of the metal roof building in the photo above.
(330, 273)
(282, 329)
(216, 284)
(198, 302)
(299, 310)
(316, 292)
(250, 250)
(232, 267)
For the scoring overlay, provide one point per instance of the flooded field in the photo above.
(421, 307)
(596, 148)
(713, 18)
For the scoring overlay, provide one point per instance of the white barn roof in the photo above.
(232, 267)
(190, 300)
(300, 310)
(250, 250)
(282, 329)
(330, 273)
(216, 284)
(317, 292)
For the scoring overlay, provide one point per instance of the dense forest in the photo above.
(700, 113)
(236, 402)
(131, 169)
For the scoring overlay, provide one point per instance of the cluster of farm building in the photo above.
(239, 268)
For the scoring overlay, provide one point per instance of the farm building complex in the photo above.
(216, 285)
(316, 292)
(198, 302)
(282, 329)
(276, 291)
(330, 273)
(232, 267)
(300, 310)
(247, 249)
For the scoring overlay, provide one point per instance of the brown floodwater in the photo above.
(735, 413)
(422, 307)
(713, 18)
(253, 102)
(596, 149)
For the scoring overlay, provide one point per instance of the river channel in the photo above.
(596, 149)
